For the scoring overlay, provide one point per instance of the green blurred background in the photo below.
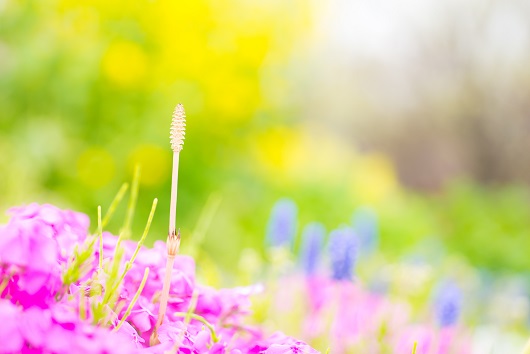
(419, 110)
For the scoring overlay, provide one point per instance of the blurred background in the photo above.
(418, 110)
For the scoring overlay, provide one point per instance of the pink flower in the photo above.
(10, 336)
(34, 325)
(235, 303)
(176, 332)
(279, 343)
(131, 334)
(202, 341)
(209, 303)
(23, 244)
(143, 316)
(37, 239)
(57, 330)
(65, 226)
(31, 261)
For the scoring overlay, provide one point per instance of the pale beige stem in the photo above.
(173, 245)
(176, 135)
(165, 291)
(173, 201)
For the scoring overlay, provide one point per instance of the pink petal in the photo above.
(10, 336)
(35, 323)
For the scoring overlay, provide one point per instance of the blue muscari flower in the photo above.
(281, 228)
(343, 245)
(312, 242)
(366, 227)
(448, 303)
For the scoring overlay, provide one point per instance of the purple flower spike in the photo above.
(312, 243)
(448, 303)
(343, 246)
(282, 223)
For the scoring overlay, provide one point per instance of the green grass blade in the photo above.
(129, 263)
(114, 204)
(201, 319)
(134, 300)
(100, 234)
(131, 206)
(204, 222)
(146, 230)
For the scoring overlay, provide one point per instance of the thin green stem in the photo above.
(204, 222)
(187, 319)
(414, 347)
(114, 204)
(134, 300)
(126, 228)
(130, 262)
(100, 234)
(132, 202)
(192, 307)
(146, 230)
(82, 302)
(112, 275)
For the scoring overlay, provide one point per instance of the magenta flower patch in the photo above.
(55, 297)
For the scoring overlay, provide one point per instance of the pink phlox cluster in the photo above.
(40, 314)
(35, 243)
(67, 227)
(55, 330)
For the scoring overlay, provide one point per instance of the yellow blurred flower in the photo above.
(294, 156)
(236, 103)
(125, 63)
(270, 149)
(373, 179)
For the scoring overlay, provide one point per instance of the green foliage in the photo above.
(87, 90)
(489, 225)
